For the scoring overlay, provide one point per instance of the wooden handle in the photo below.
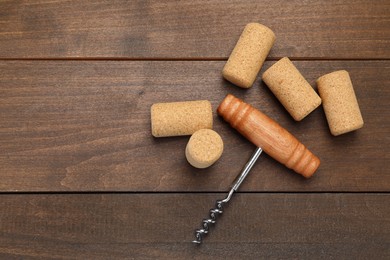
(269, 135)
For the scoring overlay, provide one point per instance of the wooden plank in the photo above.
(85, 126)
(101, 226)
(191, 29)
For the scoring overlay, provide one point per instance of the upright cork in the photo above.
(269, 135)
(248, 55)
(180, 118)
(340, 103)
(291, 89)
(204, 148)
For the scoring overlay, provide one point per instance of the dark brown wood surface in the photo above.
(81, 177)
(191, 29)
(85, 126)
(96, 226)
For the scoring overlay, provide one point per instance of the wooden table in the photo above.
(82, 177)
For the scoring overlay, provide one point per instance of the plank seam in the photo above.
(187, 59)
(184, 192)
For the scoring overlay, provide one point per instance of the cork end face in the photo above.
(152, 117)
(262, 28)
(204, 148)
(315, 104)
(337, 132)
(285, 61)
(331, 76)
(232, 77)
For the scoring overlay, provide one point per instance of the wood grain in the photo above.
(77, 79)
(85, 126)
(101, 226)
(191, 29)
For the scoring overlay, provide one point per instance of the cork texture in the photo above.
(180, 118)
(339, 101)
(248, 55)
(204, 148)
(291, 89)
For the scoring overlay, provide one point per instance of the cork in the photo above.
(204, 148)
(180, 118)
(248, 55)
(291, 89)
(339, 102)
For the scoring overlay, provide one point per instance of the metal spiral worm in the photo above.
(206, 223)
(215, 212)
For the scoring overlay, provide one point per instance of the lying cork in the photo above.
(180, 118)
(291, 89)
(204, 148)
(339, 102)
(248, 55)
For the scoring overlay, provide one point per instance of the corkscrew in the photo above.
(215, 212)
(263, 132)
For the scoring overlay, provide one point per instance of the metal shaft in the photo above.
(200, 233)
(248, 166)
